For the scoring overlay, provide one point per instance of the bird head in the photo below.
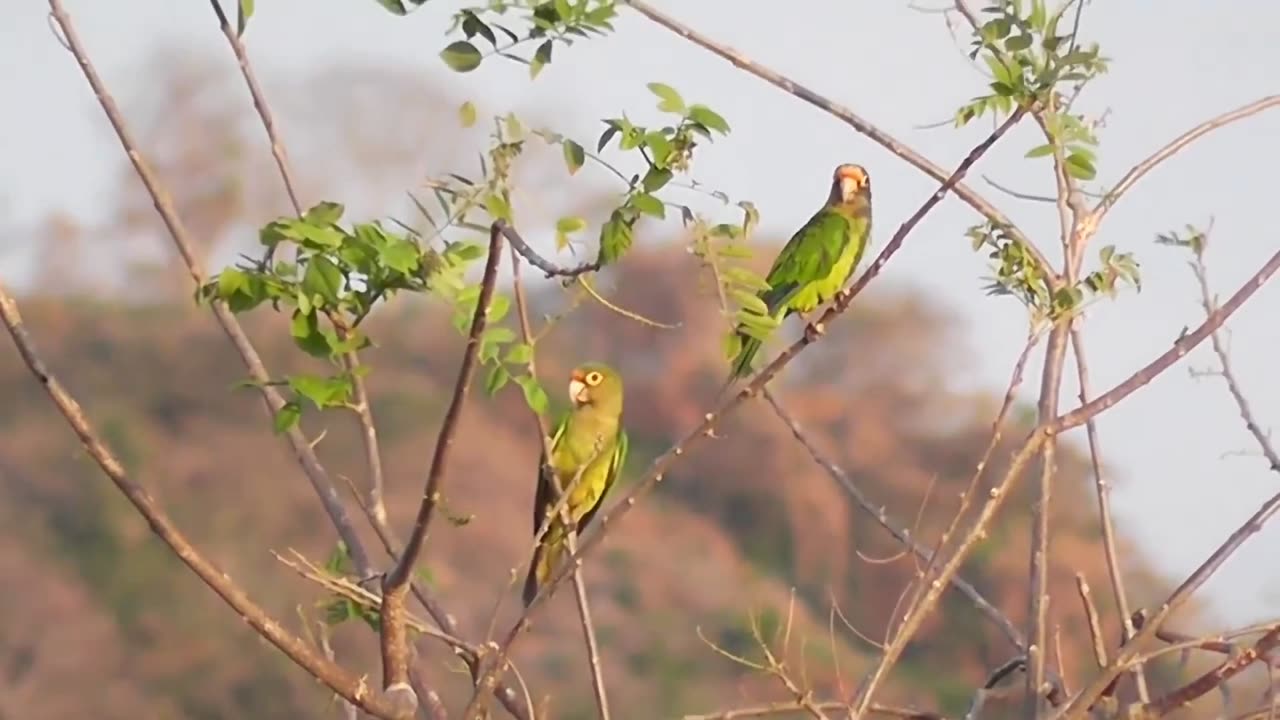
(849, 182)
(595, 384)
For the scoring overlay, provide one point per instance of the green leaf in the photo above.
(570, 225)
(606, 136)
(467, 114)
(499, 306)
(400, 255)
(541, 58)
(287, 417)
(499, 335)
(649, 205)
(534, 396)
(322, 278)
(1018, 43)
(497, 378)
(1079, 167)
(324, 213)
(231, 281)
(708, 117)
(461, 56)
(1040, 151)
(750, 302)
(655, 179)
(242, 17)
(574, 156)
(615, 238)
(497, 206)
(669, 99)
(518, 354)
(306, 334)
(321, 391)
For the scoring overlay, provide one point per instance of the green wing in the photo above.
(809, 255)
(545, 497)
(616, 463)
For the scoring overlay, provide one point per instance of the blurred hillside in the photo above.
(736, 525)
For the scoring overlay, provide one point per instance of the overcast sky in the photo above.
(1176, 493)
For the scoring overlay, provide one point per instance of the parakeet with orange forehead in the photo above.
(588, 450)
(817, 261)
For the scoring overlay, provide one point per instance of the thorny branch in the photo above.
(302, 449)
(659, 466)
(341, 681)
(395, 584)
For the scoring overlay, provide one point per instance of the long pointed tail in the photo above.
(544, 559)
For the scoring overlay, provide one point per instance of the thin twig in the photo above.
(1104, 513)
(1091, 615)
(788, 708)
(1228, 373)
(1138, 171)
(586, 285)
(395, 584)
(881, 518)
(579, 584)
(536, 260)
(182, 240)
(260, 104)
(660, 464)
(894, 146)
(337, 678)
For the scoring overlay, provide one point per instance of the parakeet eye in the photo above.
(594, 377)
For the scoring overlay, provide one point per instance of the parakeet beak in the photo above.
(577, 391)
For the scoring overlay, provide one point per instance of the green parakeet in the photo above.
(589, 445)
(817, 261)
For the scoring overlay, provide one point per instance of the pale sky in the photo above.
(1171, 69)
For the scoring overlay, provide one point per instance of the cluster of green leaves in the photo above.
(1017, 273)
(1029, 59)
(334, 279)
(546, 23)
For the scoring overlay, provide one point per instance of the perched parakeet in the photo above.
(817, 261)
(588, 444)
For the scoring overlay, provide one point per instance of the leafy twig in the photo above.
(340, 680)
(305, 454)
(395, 585)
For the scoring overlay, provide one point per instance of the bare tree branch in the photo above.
(790, 708)
(1091, 616)
(536, 260)
(1179, 143)
(341, 681)
(660, 464)
(395, 584)
(305, 454)
(881, 518)
(1104, 513)
(964, 192)
(259, 104)
(1228, 373)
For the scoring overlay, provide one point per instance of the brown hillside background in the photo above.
(101, 621)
